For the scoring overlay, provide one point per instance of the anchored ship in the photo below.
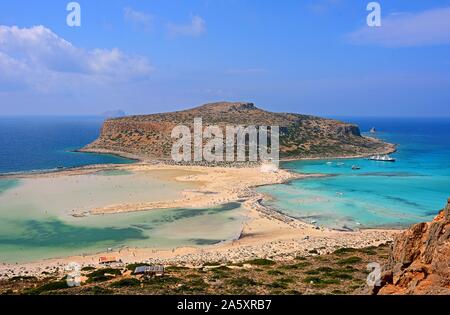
(382, 158)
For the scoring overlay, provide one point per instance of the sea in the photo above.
(378, 195)
(46, 143)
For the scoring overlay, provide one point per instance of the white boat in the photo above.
(356, 167)
(382, 158)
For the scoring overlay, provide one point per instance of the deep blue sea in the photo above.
(380, 194)
(45, 143)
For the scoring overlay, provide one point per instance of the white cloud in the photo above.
(195, 28)
(430, 27)
(138, 18)
(38, 57)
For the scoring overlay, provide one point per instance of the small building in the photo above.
(157, 271)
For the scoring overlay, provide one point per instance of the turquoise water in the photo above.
(25, 239)
(381, 194)
(6, 184)
(35, 220)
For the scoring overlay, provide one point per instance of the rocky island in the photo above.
(148, 137)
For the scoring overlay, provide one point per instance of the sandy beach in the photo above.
(265, 233)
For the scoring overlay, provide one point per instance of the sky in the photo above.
(307, 56)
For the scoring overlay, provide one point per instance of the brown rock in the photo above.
(420, 259)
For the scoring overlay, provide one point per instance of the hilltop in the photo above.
(148, 137)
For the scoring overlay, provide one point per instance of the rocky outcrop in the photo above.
(420, 259)
(301, 136)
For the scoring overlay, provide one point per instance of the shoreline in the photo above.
(265, 232)
(388, 149)
(391, 148)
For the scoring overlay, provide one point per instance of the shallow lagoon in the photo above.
(35, 221)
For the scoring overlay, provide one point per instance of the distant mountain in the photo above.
(114, 114)
(301, 136)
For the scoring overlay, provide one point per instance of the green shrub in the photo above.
(220, 275)
(99, 275)
(349, 261)
(23, 278)
(220, 269)
(300, 258)
(275, 273)
(300, 265)
(324, 269)
(159, 281)
(348, 269)
(211, 264)
(96, 290)
(260, 262)
(99, 278)
(341, 276)
(242, 281)
(281, 283)
(312, 272)
(286, 280)
(132, 267)
(51, 286)
(369, 250)
(127, 282)
(195, 285)
(278, 285)
(344, 250)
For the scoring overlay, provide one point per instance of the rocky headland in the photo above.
(419, 262)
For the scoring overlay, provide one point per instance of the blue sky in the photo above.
(314, 57)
